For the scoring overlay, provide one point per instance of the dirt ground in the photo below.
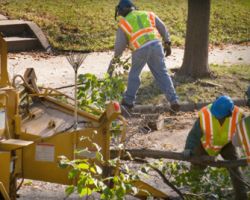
(54, 71)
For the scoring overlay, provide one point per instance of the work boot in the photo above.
(175, 106)
(126, 109)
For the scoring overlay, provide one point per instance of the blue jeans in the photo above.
(153, 55)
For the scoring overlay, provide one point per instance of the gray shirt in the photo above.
(122, 41)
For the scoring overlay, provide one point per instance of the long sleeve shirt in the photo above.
(194, 136)
(122, 41)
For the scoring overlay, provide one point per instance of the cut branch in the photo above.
(201, 160)
(164, 178)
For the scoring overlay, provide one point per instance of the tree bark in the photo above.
(195, 62)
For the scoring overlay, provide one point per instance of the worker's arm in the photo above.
(121, 42)
(160, 26)
(165, 36)
(194, 137)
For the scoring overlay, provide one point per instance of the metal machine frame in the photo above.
(27, 154)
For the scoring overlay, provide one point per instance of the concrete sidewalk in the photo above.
(55, 71)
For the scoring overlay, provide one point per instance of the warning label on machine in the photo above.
(45, 152)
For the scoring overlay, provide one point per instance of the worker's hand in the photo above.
(167, 48)
(187, 153)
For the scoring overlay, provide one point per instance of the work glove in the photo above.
(187, 153)
(167, 48)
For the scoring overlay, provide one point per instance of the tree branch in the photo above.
(201, 160)
(164, 178)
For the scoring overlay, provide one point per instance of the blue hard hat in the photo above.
(222, 107)
(125, 4)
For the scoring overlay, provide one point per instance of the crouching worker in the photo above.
(242, 137)
(212, 135)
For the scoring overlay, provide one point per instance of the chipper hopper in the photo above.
(36, 128)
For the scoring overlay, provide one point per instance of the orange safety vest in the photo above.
(243, 132)
(216, 136)
(139, 27)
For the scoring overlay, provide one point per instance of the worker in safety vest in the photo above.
(142, 32)
(212, 135)
(242, 136)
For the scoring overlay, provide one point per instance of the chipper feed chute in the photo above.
(36, 128)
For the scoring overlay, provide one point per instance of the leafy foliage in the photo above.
(119, 66)
(96, 174)
(211, 183)
(89, 176)
(96, 92)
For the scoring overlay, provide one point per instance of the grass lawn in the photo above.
(229, 80)
(89, 25)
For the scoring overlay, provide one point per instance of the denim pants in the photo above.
(153, 55)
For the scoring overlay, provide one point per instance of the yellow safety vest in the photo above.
(243, 130)
(216, 136)
(139, 27)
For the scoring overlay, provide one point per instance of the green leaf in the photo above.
(73, 173)
(83, 166)
(69, 190)
(106, 194)
(113, 162)
(85, 191)
(99, 156)
(92, 169)
(126, 168)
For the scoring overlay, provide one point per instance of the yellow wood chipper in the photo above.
(36, 128)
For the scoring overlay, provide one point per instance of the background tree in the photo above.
(195, 62)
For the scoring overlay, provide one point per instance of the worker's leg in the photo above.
(158, 68)
(229, 153)
(139, 59)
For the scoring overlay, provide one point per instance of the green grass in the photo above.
(89, 25)
(228, 80)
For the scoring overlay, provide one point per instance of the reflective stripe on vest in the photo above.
(139, 24)
(243, 130)
(215, 136)
(125, 26)
(152, 19)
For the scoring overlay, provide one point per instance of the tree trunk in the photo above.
(195, 62)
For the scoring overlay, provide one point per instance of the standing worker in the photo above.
(212, 135)
(140, 31)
